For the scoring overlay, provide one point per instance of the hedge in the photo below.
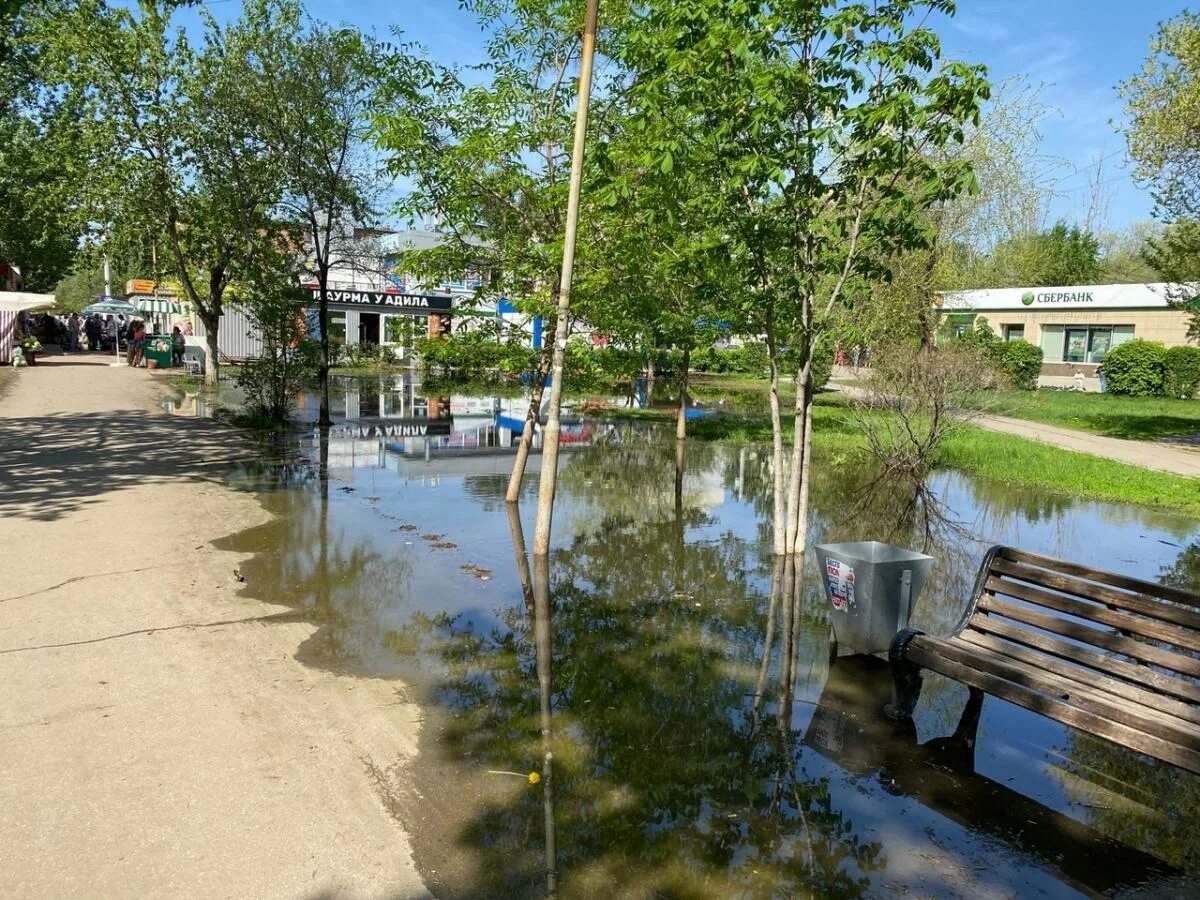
(1181, 375)
(1136, 368)
(1020, 361)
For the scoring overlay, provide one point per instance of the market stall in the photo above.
(12, 304)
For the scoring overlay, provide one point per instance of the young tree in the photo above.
(39, 222)
(171, 153)
(1162, 103)
(489, 161)
(309, 90)
(823, 120)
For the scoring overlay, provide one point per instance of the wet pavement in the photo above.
(693, 729)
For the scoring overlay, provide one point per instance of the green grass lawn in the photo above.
(1000, 457)
(1136, 418)
(1017, 461)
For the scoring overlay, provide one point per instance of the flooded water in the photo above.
(693, 730)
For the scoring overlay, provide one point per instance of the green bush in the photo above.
(1181, 376)
(1136, 368)
(1021, 361)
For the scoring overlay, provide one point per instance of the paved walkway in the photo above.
(158, 736)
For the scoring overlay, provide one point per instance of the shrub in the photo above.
(1020, 361)
(1136, 368)
(1181, 376)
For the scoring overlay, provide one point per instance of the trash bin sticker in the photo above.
(841, 583)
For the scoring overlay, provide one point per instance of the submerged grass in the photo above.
(1134, 418)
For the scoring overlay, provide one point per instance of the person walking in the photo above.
(177, 346)
(73, 333)
(112, 332)
(91, 327)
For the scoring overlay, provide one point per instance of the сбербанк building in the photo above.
(1075, 325)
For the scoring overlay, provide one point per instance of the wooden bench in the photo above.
(1110, 655)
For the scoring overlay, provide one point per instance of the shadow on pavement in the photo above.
(53, 465)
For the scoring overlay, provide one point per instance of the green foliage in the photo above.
(1181, 375)
(474, 353)
(288, 361)
(1162, 106)
(1058, 256)
(1136, 368)
(1020, 361)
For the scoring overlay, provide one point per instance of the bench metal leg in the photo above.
(906, 678)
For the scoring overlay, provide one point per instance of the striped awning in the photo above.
(159, 306)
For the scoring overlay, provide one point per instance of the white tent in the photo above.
(12, 304)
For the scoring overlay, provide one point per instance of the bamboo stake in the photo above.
(549, 473)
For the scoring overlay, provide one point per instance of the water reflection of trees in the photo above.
(670, 778)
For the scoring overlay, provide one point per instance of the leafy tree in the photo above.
(1125, 256)
(307, 90)
(1011, 191)
(820, 122)
(39, 135)
(172, 154)
(1058, 256)
(489, 161)
(1162, 104)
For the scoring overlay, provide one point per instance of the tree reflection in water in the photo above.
(676, 767)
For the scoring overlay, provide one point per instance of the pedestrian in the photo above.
(177, 345)
(112, 332)
(136, 342)
(92, 332)
(73, 333)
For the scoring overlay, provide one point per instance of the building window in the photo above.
(1014, 332)
(1087, 343)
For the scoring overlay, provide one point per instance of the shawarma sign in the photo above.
(386, 302)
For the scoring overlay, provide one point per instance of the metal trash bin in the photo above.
(871, 587)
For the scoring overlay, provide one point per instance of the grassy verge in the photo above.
(1017, 461)
(1000, 457)
(1135, 418)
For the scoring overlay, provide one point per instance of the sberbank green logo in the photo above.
(1027, 298)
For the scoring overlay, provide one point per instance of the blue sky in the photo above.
(1076, 50)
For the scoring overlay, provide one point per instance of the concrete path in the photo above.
(1148, 454)
(158, 737)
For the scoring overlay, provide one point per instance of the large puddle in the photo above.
(705, 738)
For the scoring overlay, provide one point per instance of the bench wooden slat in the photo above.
(924, 651)
(1156, 631)
(1175, 662)
(1087, 677)
(1146, 606)
(1151, 588)
(1137, 674)
(1161, 725)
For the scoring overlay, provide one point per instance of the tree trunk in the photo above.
(778, 472)
(800, 443)
(526, 443)
(211, 354)
(548, 481)
(681, 416)
(650, 378)
(323, 368)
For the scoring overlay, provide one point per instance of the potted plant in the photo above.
(29, 349)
